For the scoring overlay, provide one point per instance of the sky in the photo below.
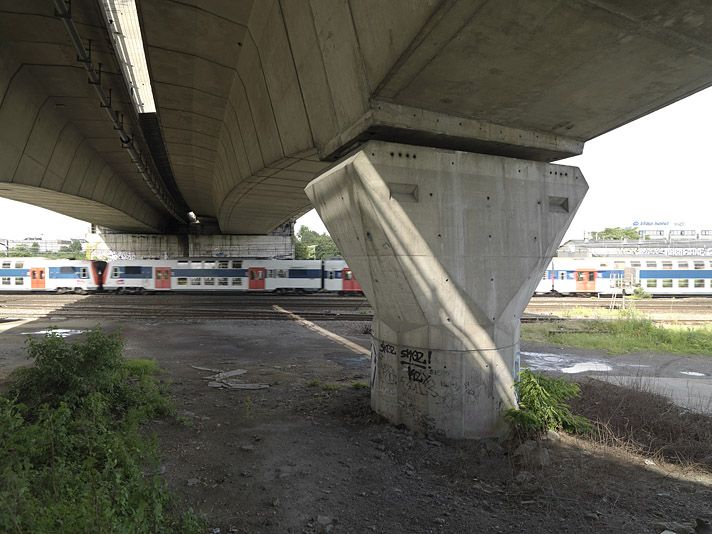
(655, 168)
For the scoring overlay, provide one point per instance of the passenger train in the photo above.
(194, 274)
(656, 275)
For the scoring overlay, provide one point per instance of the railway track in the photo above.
(260, 307)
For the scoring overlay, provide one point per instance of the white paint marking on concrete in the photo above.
(692, 373)
(587, 366)
(354, 347)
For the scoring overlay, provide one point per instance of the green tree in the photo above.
(20, 251)
(617, 233)
(310, 244)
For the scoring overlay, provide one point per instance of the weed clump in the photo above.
(72, 458)
(543, 406)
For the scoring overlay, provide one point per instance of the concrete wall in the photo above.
(129, 246)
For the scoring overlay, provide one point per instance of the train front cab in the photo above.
(350, 284)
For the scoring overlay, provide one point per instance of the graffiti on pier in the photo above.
(418, 365)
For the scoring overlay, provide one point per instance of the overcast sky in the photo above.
(656, 168)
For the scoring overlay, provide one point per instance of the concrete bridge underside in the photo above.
(429, 126)
(254, 99)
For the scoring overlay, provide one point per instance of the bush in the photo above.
(640, 293)
(72, 458)
(543, 406)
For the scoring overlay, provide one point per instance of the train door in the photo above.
(37, 276)
(349, 282)
(163, 278)
(586, 281)
(257, 277)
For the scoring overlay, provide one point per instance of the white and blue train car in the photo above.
(41, 274)
(601, 276)
(546, 283)
(214, 274)
(687, 276)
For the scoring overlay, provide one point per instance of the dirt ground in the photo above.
(307, 455)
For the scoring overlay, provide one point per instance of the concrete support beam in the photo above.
(387, 121)
(448, 247)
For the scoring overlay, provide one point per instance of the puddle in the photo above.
(692, 373)
(61, 332)
(543, 361)
(586, 366)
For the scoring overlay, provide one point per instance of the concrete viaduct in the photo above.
(422, 131)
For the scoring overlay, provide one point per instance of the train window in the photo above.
(6, 280)
(591, 276)
(19, 281)
(19, 264)
(115, 272)
(237, 281)
(133, 269)
(196, 264)
(83, 273)
(182, 281)
(682, 265)
(651, 283)
(195, 281)
(209, 281)
(6, 265)
(699, 282)
(282, 273)
(66, 270)
(667, 265)
(683, 283)
(699, 265)
(562, 275)
(182, 262)
(209, 264)
(237, 264)
(222, 264)
(652, 264)
(222, 281)
(667, 283)
(348, 275)
(635, 264)
(579, 277)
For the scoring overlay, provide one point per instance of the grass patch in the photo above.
(641, 421)
(72, 458)
(330, 387)
(630, 332)
(543, 406)
(315, 383)
(359, 385)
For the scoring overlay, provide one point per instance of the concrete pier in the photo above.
(448, 247)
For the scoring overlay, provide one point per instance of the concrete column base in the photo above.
(448, 247)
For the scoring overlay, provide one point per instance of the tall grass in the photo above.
(72, 458)
(630, 332)
(543, 405)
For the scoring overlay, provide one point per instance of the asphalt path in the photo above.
(687, 380)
